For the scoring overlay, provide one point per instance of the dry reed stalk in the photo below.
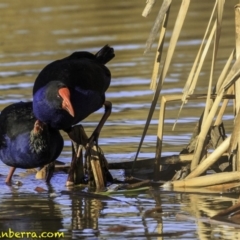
(189, 86)
(232, 76)
(228, 82)
(229, 91)
(219, 24)
(148, 7)
(215, 50)
(175, 34)
(212, 158)
(208, 104)
(237, 27)
(237, 84)
(224, 71)
(208, 180)
(100, 173)
(97, 170)
(195, 70)
(172, 44)
(235, 134)
(202, 59)
(204, 130)
(159, 137)
(218, 120)
(158, 22)
(209, 189)
(157, 62)
(164, 101)
(194, 79)
(95, 173)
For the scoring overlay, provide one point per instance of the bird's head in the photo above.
(59, 94)
(55, 95)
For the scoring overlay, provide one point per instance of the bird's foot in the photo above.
(8, 183)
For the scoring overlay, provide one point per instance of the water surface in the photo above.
(34, 33)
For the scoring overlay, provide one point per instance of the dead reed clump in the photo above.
(210, 128)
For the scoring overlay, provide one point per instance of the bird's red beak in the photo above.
(66, 104)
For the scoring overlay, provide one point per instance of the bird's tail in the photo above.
(105, 54)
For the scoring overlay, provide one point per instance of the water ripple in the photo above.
(23, 63)
(18, 85)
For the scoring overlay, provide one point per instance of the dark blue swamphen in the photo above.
(68, 90)
(26, 142)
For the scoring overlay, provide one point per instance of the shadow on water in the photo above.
(34, 33)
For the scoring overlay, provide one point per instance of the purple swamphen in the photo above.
(68, 90)
(26, 142)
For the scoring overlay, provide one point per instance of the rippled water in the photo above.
(34, 33)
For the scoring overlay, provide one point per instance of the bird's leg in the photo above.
(50, 171)
(96, 132)
(78, 135)
(91, 165)
(9, 176)
(94, 137)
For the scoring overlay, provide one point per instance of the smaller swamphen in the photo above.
(68, 90)
(26, 142)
